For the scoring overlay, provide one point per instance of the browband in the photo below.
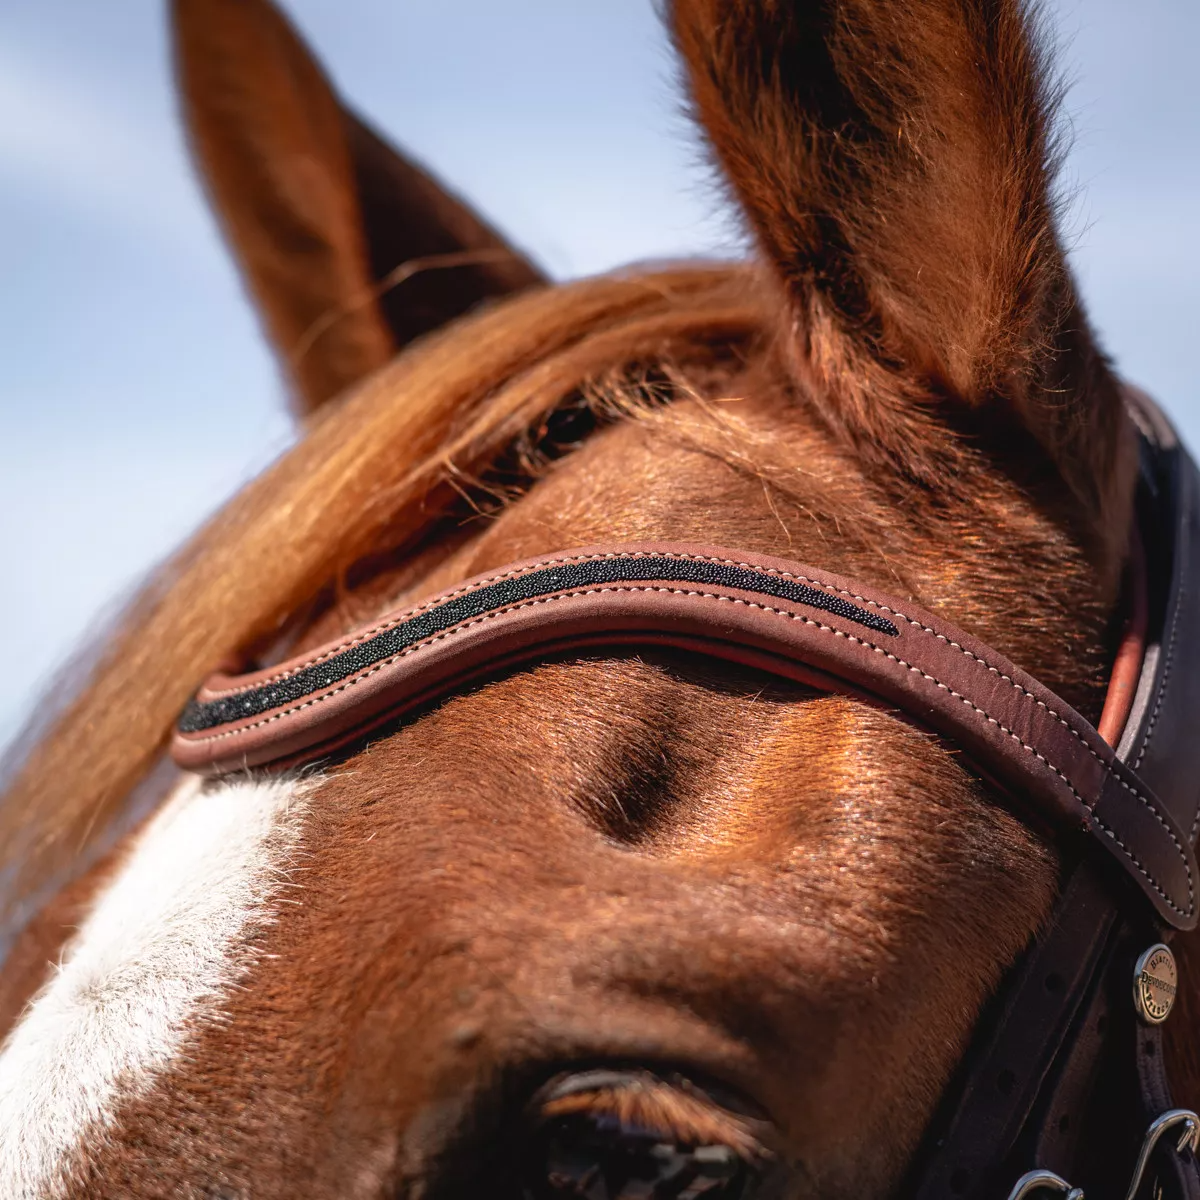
(794, 621)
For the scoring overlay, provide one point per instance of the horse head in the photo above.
(602, 904)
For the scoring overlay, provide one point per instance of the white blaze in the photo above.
(160, 949)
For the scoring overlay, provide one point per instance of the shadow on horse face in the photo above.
(638, 917)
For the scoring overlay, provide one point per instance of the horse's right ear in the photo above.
(349, 249)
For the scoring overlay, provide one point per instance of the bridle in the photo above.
(1064, 1084)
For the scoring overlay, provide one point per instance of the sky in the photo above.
(135, 391)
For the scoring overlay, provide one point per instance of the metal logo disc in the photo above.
(1155, 979)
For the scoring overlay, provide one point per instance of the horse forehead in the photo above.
(163, 944)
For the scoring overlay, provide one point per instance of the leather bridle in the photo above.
(1064, 1085)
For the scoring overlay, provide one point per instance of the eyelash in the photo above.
(495, 1157)
(656, 1108)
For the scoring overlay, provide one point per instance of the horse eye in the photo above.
(600, 1157)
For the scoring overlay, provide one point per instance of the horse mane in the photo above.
(376, 470)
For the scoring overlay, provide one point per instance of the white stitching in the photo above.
(363, 635)
(1158, 703)
(824, 628)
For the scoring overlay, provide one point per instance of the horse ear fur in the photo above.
(350, 250)
(894, 159)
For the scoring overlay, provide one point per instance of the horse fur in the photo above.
(896, 162)
(325, 219)
(649, 859)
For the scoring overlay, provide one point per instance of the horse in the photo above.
(598, 901)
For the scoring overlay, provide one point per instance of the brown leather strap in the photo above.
(795, 621)
(1061, 1074)
(1160, 739)
(974, 1149)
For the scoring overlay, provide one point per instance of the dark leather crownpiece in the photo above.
(786, 618)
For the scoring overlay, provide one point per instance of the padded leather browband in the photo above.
(794, 621)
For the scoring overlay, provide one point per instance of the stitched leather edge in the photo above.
(350, 681)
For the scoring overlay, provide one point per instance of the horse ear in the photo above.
(349, 249)
(894, 159)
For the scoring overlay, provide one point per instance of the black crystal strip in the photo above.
(572, 576)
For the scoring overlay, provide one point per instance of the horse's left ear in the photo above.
(349, 249)
(894, 159)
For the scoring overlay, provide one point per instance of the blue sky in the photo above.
(135, 393)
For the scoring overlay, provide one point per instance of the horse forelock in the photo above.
(379, 473)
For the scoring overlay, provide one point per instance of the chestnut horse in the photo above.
(650, 893)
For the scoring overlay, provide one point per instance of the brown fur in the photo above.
(43, 942)
(646, 859)
(895, 162)
(351, 250)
